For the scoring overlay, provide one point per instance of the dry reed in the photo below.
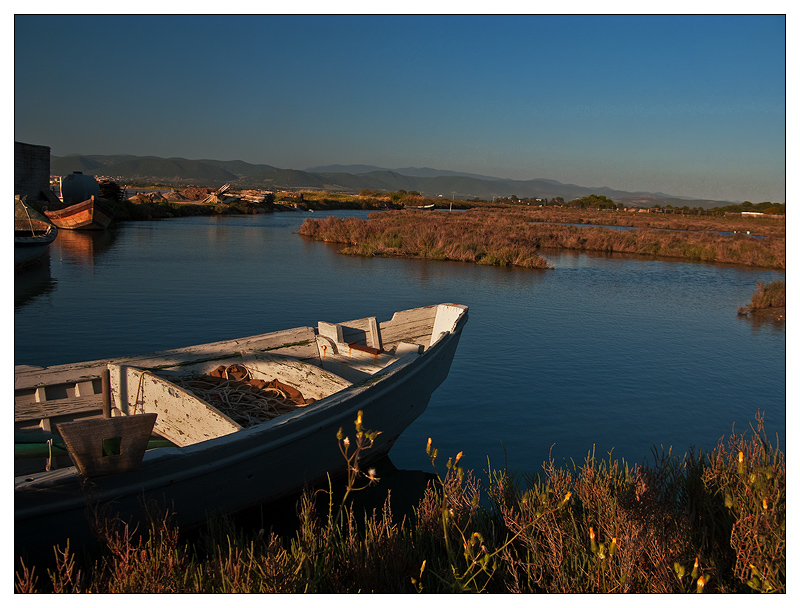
(516, 237)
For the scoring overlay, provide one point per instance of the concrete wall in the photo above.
(32, 171)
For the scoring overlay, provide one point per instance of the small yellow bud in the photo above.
(741, 456)
(428, 447)
(701, 583)
(764, 504)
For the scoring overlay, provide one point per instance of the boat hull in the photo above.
(33, 234)
(90, 214)
(264, 463)
(28, 250)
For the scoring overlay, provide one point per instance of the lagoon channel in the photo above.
(603, 353)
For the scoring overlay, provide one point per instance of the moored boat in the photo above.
(33, 234)
(90, 214)
(227, 453)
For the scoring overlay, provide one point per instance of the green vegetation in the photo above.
(706, 522)
(765, 207)
(593, 200)
(318, 200)
(516, 237)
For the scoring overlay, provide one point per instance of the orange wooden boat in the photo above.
(90, 214)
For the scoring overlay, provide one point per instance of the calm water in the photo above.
(605, 353)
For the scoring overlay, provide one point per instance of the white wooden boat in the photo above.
(33, 234)
(386, 369)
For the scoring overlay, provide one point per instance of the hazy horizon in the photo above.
(690, 105)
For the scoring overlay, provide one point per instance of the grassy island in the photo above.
(706, 522)
(516, 237)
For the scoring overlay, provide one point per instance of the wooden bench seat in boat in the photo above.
(359, 348)
(43, 395)
(186, 419)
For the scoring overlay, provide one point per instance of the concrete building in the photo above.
(32, 172)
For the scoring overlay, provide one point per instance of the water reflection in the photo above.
(403, 489)
(766, 320)
(36, 281)
(82, 247)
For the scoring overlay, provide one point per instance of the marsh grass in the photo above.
(706, 522)
(511, 237)
(772, 295)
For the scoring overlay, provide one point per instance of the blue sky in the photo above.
(688, 105)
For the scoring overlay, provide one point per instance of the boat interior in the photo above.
(314, 362)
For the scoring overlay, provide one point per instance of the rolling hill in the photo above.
(346, 178)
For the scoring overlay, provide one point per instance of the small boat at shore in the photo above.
(33, 234)
(90, 214)
(419, 207)
(247, 421)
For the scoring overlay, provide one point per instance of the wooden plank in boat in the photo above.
(299, 342)
(409, 326)
(182, 418)
(360, 331)
(446, 317)
(25, 408)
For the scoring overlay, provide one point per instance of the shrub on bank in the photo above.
(707, 522)
(772, 295)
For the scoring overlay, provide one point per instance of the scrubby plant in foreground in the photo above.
(705, 522)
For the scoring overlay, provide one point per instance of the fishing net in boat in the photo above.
(246, 400)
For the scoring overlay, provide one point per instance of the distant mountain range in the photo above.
(346, 178)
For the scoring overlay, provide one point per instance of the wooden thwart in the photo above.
(104, 446)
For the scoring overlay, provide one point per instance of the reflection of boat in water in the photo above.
(83, 246)
(34, 282)
(90, 214)
(228, 454)
(33, 234)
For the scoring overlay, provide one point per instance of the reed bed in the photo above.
(706, 522)
(773, 295)
(515, 238)
(427, 235)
